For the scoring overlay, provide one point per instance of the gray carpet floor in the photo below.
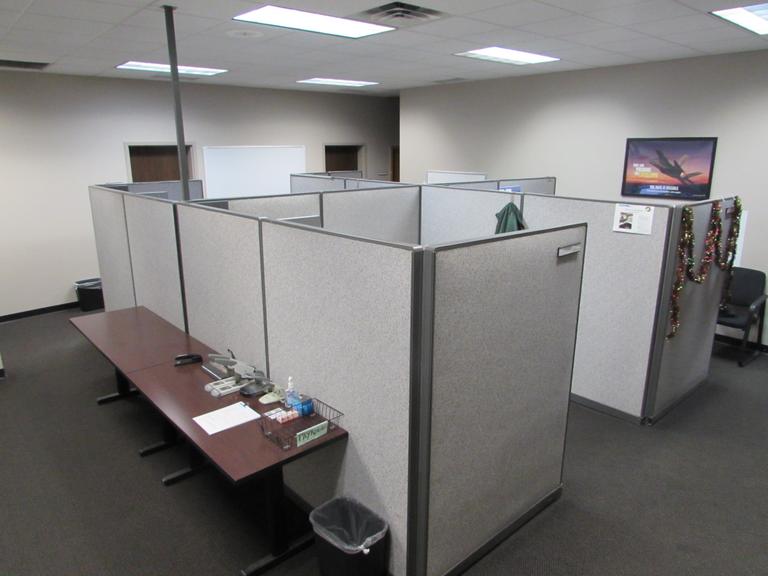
(685, 497)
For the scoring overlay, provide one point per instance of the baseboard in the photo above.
(38, 311)
(592, 405)
(486, 548)
(737, 342)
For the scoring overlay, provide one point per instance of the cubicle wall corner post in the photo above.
(322, 216)
(422, 331)
(264, 295)
(421, 209)
(181, 267)
(662, 315)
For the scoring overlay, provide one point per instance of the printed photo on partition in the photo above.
(669, 167)
(625, 221)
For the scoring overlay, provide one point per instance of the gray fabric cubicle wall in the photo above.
(500, 385)
(221, 256)
(531, 185)
(684, 360)
(453, 214)
(622, 278)
(112, 248)
(277, 207)
(389, 214)
(313, 183)
(339, 317)
(154, 256)
(479, 185)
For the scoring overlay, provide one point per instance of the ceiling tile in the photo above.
(401, 38)
(568, 25)
(15, 5)
(42, 23)
(730, 45)
(183, 23)
(460, 7)
(343, 8)
(449, 47)
(28, 39)
(710, 5)
(584, 6)
(597, 57)
(82, 9)
(725, 32)
(223, 9)
(644, 12)
(88, 66)
(521, 13)
(139, 34)
(643, 45)
(34, 54)
(455, 27)
(116, 46)
(680, 25)
(508, 38)
(598, 37)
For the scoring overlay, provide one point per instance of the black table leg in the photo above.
(196, 463)
(170, 438)
(124, 389)
(282, 546)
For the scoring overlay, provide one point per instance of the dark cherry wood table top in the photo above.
(143, 346)
(240, 452)
(136, 338)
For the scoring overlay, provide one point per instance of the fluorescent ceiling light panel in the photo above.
(337, 82)
(155, 67)
(507, 56)
(311, 22)
(753, 18)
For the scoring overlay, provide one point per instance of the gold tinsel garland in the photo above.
(713, 252)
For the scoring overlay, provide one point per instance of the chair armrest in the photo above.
(757, 304)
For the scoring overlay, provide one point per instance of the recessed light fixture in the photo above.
(753, 18)
(311, 22)
(156, 67)
(507, 56)
(337, 82)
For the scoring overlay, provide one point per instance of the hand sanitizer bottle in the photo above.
(292, 397)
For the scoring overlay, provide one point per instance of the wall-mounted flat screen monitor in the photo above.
(678, 168)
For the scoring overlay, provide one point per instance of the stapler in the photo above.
(184, 359)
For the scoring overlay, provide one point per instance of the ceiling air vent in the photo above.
(22, 65)
(399, 14)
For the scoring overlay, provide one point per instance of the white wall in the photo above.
(58, 134)
(574, 126)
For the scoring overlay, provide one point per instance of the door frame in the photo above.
(362, 155)
(193, 155)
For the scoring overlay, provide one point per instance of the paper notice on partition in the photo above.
(227, 417)
(633, 219)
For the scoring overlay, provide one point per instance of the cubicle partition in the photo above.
(171, 188)
(439, 357)
(496, 378)
(389, 214)
(339, 316)
(682, 363)
(112, 247)
(155, 257)
(452, 214)
(544, 185)
(305, 208)
(221, 256)
(314, 183)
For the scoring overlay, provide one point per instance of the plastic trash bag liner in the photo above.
(348, 525)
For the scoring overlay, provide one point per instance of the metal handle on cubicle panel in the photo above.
(568, 250)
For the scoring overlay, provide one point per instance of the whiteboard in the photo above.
(446, 177)
(232, 171)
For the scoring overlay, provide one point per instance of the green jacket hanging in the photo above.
(509, 219)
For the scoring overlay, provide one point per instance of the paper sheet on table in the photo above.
(227, 417)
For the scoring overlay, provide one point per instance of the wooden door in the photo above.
(155, 163)
(395, 168)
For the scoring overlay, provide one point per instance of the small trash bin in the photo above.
(89, 294)
(351, 540)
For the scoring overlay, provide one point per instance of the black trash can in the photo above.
(351, 540)
(89, 294)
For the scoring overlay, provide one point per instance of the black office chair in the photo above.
(745, 308)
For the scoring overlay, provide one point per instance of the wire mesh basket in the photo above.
(304, 429)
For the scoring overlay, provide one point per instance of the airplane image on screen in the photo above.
(674, 169)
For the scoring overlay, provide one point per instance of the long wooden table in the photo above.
(142, 347)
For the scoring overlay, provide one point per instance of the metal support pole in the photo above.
(170, 32)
